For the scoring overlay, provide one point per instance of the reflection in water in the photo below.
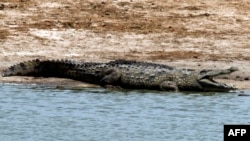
(40, 113)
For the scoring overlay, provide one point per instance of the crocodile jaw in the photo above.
(208, 84)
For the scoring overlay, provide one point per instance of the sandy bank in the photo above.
(190, 34)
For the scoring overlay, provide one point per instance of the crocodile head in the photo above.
(203, 81)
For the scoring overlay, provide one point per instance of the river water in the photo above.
(36, 113)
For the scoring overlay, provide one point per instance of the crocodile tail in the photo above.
(86, 72)
(23, 68)
(46, 68)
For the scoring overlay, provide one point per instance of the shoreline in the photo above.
(62, 83)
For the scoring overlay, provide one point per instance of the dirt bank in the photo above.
(186, 34)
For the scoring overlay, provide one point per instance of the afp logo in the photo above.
(237, 132)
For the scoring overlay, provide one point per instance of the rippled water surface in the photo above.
(35, 113)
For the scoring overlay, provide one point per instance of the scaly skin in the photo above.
(125, 74)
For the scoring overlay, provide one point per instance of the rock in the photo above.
(1, 6)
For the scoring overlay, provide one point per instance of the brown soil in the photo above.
(187, 34)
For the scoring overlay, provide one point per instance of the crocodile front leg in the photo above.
(168, 86)
(111, 78)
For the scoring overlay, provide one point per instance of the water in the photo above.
(35, 113)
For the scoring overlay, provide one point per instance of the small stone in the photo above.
(242, 94)
(1, 6)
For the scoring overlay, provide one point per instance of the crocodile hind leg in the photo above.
(168, 86)
(111, 78)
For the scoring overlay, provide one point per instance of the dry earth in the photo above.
(183, 33)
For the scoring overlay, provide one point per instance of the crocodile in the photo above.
(125, 74)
